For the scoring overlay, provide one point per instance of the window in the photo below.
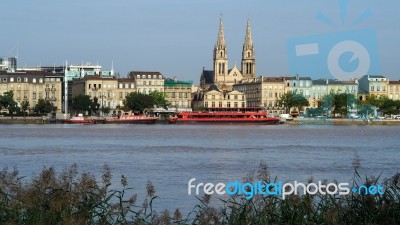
(228, 104)
(144, 82)
(213, 104)
(212, 96)
(132, 85)
(235, 104)
(371, 88)
(120, 95)
(126, 85)
(120, 85)
(25, 79)
(220, 104)
(40, 80)
(11, 79)
(236, 97)
(206, 104)
(4, 79)
(149, 76)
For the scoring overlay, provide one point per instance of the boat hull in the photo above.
(79, 122)
(271, 121)
(138, 121)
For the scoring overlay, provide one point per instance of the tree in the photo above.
(105, 110)
(12, 108)
(7, 99)
(24, 107)
(286, 100)
(44, 106)
(138, 102)
(95, 106)
(159, 99)
(82, 103)
(290, 100)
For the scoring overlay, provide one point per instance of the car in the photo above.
(397, 117)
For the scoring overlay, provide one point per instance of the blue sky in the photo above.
(176, 37)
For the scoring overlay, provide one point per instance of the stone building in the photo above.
(147, 82)
(214, 99)
(178, 94)
(394, 90)
(110, 92)
(33, 85)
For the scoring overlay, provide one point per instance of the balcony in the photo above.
(53, 99)
(47, 89)
(53, 89)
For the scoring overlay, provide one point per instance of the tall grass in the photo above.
(71, 197)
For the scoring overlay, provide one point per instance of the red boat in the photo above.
(143, 119)
(79, 120)
(223, 117)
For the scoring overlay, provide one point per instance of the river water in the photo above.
(170, 155)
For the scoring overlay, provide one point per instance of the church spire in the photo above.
(248, 40)
(248, 54)
(221, 37)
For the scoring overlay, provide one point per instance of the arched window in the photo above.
(248, 54)
(221, 54)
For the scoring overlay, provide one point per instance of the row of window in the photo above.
(391, 88)
(109, 86)
(179, 95)
(235, 97)
(228, 105)
(34, 80)
(149, 76)
(149, 83)
(377, 88)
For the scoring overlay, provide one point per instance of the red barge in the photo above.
(223, 117)
(128, 119)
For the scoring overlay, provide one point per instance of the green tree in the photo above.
(299, 101)
(159, 99)
(13, 108)
(286, 100)
(43, 106)
(138, 102)
(82, 103)
(24, 107)
(7, 99)
(290, 100)
(95, 106)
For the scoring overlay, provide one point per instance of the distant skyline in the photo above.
(177, 38)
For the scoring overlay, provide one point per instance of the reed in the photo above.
(73, 197)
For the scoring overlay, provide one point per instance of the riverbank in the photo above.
(349, 122)
(25, 120)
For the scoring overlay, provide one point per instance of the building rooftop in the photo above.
(208, 76)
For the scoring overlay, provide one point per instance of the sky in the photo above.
(176, 37)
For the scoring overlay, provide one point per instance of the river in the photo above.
(170, 155)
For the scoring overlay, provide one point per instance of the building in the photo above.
(374, 84)
(214, 99)
(110, 91)
(223, 77)
(33, 85)
(394, 90)
(147, 82)
(8, 63)
(179, 94)
(263, 92)
(323, 87)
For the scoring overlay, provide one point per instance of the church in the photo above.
(221, 76)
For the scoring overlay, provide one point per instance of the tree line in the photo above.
(341, 105)
(134, 102)
(7, 102)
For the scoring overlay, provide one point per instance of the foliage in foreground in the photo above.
(71, 197)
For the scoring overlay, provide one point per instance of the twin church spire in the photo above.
(221, 56)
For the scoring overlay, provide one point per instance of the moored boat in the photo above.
(80, 119)
(223, 117)
(143, 119)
